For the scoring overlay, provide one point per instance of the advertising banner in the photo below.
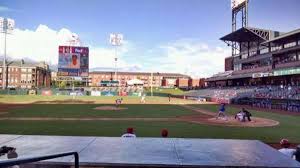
(287, 72)
(73, 61)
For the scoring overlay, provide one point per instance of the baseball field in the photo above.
(98, 116)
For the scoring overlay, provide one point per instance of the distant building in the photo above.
(21, 74)
(159, 79)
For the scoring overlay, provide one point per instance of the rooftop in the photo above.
(22, 63)
(285, 37)
(246, 34)
(141, 73)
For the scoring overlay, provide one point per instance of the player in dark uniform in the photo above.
(247, 114)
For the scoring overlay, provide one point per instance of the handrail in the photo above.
(12, 162)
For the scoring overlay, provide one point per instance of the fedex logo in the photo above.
(80, 50)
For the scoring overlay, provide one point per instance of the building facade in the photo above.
(265, 57)
(21, 74)
(159, 79)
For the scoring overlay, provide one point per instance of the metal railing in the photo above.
(12, 162)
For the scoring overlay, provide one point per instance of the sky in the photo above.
(179, 36)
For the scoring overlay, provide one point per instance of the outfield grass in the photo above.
(88, 99)
(172, 91)
(88, 111)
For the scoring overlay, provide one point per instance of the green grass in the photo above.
(289, 125)
(166, 91)
(87, 110)
(144, 129)
(88, 99)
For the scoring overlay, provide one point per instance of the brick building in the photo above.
(21, 74)
(159, 79)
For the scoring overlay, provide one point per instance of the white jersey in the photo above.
(240, 116)
(288, 152)
(127, 135)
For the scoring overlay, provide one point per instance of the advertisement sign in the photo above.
(261, 75)
(73, 61)
(95, 93)
(287, 72)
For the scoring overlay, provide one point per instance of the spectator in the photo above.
(286, 150)
(164, 133)
(297, 153)
(129, 133)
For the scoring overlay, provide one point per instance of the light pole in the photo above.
(116, 40)
(6, 27)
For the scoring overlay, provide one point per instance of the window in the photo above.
(264, 50)
(244, 55)
(23, 77)
(23, 70)
(237, 67)
(29, 70)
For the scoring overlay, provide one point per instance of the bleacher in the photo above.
(222, 94)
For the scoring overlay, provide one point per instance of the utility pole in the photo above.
(151, 83)
(6, 27)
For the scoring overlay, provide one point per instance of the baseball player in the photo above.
(286, 150)
(129, 133)
(118, 102)
(143, 98)
(222, 112)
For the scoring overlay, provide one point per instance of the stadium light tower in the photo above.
(238, 6)
(6, 27)
(116, 40)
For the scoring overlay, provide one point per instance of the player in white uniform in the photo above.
(129, 133)
(143, 98)
(286, 150)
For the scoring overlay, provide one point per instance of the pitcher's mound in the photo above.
(110, 108)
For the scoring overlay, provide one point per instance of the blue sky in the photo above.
(155, 30)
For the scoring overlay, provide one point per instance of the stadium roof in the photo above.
(220, 78)
(246, 34)
(285, 37)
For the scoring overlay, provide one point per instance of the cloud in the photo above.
(7, 9)
(42, 45)
(4, 9)
(187, 56)
(191, 57)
